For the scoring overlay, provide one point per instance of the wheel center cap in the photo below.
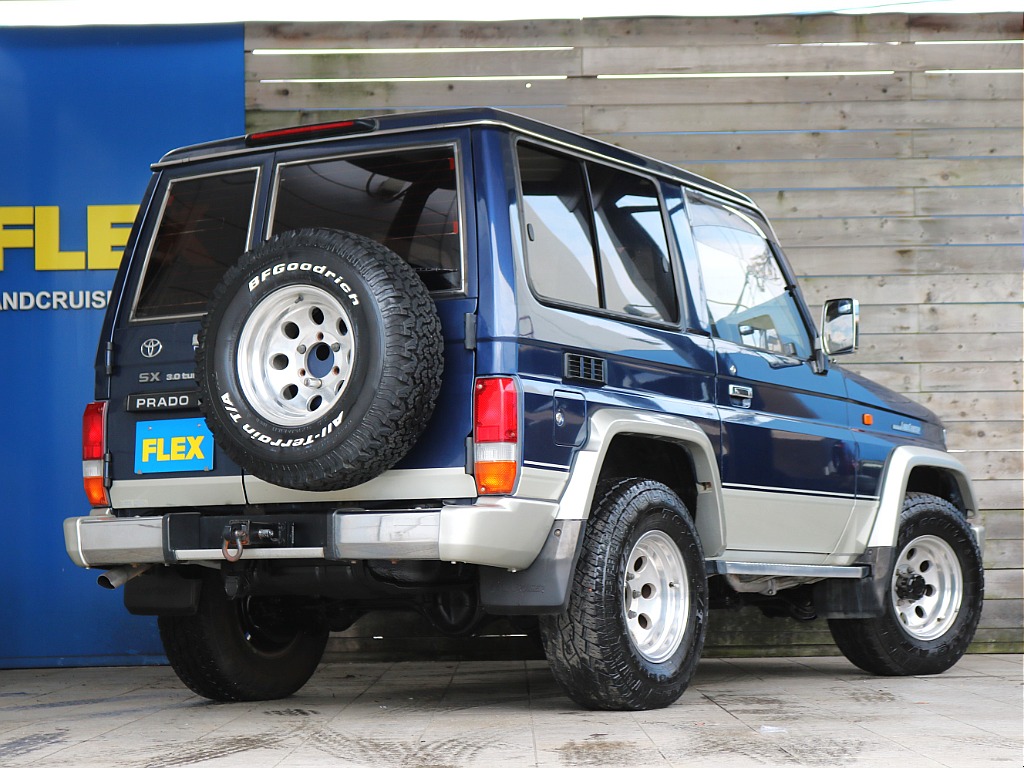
(910, 586)
(320, 360)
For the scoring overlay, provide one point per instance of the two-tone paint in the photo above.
(792, 466)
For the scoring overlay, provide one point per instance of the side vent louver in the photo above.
(583, 368)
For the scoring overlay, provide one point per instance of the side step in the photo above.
(723, 567)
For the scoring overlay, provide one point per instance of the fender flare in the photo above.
(895, 477)
(606, 424)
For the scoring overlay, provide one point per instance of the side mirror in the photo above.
(840, 326)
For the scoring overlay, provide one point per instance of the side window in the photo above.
(596, 236)
(204, 228)
(407, 200)
(631, 238)
(560, 251)
(747, 297)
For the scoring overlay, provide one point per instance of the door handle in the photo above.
(741, 393)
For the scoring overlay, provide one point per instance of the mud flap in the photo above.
(857, 598)
(544, 586)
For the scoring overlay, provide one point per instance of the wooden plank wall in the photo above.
(887, 150)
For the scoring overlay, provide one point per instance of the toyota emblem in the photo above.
(151, 347)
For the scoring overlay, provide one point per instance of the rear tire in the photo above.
(251, 649)
(934, 600)
(634, 628)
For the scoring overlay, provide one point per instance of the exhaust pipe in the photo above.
(115, 577)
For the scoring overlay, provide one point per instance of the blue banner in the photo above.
(83, 113)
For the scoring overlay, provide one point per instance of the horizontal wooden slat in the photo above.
(906, 260)
(1003, 524)
(414, 64)
(1002, 553)
(909, 319)
(1004, 585)
(573, 90)
(972, 318)
(950, 348)
(919, 289)
(999, 614)
(800, 144)
(661, 31)
(816, 174)
(868, 231)
(970, 201)
(879, 261)
(904, 57)
(972, 378)
(837, 115)
(751, 145)
(971, 435)
(1000, 494)
(973, 406)
(994, 465)
(974, 85)
(804, 203)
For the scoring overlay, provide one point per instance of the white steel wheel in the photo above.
(655, 598)
(295, 355)
(927, 587)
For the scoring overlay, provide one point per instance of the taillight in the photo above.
(496, 435)
(94, 451)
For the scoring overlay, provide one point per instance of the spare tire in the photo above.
(319, 360)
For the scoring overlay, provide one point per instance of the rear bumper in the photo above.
(503, 532)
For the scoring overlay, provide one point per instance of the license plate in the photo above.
(173, 445)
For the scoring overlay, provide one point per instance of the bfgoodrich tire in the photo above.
(251, 649)
(634, 628)
(934, 597)
(319, 361)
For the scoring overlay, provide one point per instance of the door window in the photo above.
(748, 298)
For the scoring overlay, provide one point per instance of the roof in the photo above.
(427, 119)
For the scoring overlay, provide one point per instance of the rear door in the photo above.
(409, 193)
(203, 218)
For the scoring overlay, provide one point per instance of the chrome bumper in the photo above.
(504, 532)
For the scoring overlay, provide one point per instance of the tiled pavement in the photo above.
(736, 713)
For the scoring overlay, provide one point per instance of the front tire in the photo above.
(632, 634)
(251, 649)
(935, 592)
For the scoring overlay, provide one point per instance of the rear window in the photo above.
(203, 230)
(406, 200)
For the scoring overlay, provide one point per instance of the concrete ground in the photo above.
(751, 712)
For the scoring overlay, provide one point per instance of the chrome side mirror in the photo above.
(840, 326)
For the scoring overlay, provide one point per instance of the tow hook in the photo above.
(239, 534)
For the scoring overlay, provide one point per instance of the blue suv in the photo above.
(473, 365)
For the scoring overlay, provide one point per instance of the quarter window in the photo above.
(748, 299)
(203, 230)
(595, 236)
